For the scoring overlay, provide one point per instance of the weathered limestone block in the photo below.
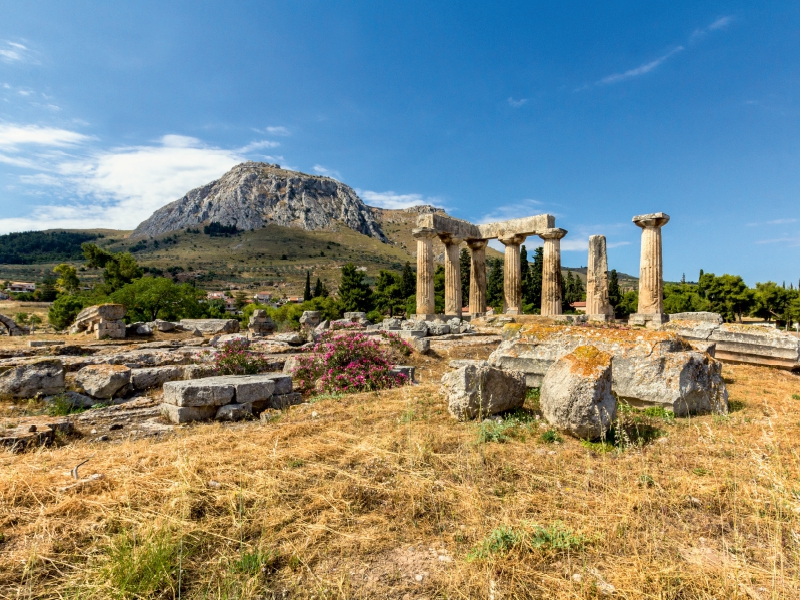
(223, 338)
(310, 319)
(198, 392)
(391, 324)
(292, 338)
(648, 367)
(186, 414)
(74, 399)
(478, 391)
(250, 388)
(355, 317)
(152, 377)
(103, 381)
(281, 401)
(234, 412)
(709, 317)
(211, 326)
(34, 431)
(260, 323)
(45, 343)
(576, 393)
(45, 376)
(104, 320)
(163, 326)
(421, 344)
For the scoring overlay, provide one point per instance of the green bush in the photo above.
(64, 310)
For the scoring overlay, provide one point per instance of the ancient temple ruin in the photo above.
(511, 234)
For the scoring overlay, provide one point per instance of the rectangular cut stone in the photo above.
(211, 326)
(445, 224)
(411, 333)
(251, 388)
(283, 383)
(143, 379)
(43, 343)
(111, 312)
(186, 414)
(211, 391)
(281, 401)
(524, 226)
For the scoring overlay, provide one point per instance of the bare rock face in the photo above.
(25, 381)
(479, 391)
(576, 393)
(255, 194)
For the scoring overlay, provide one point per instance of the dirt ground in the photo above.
(384, 495)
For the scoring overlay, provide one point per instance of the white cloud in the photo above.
(720, 23)
(258, 146)
(333, 174)
(523, 208)
(14, 136)
(278, 131)
(516, 103)
(392, 200)
(773, 222)
(640, 70)
(12, 52)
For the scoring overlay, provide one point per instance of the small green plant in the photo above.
(659, 412)
(701, 471)
(253, 563)
(737, 405)
(500, 540)
(320, 397)
(296, 462)
(532, 399)
(407, 416)
(795, 396)
(142, 566)
(556, 537)
(61, 406)
(646, 481)
(550, 437)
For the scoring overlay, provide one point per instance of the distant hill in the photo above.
(253, 195)
(35, 247)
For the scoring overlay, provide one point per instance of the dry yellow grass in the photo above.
(328, 501)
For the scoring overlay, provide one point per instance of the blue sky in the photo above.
(591, 111)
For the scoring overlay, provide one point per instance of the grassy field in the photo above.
(384, 495)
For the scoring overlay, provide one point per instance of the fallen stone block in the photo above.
(163, 326)
(73, 399)
(283, 382)
(408, 371)
(234, 412)
(438, 329)
(211, 326)
(474, 391)
(292, 338)
(144, 329)
(103, 381)
(249, 388)
(152, 377)
(576, 397)
(281, 401)
(355, 316)
(44, 376)
(186, 414)
(224, 338)
(34, 431)
(44, 343)
(198, 392)
(421, 345)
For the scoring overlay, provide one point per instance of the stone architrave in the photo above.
(598, 307)
(452, 276)
(551, 270)
(426, 303)
(651, 283)
(477, 278)
(512, 277)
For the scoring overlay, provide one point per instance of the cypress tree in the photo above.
(536, 277)
(525, 275)
(614, 294)
(354, 293)
(494, 286)
(408, 284)
(307, 290)
(465, 261)
(320, 290)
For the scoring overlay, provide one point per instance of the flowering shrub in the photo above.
(346, 363)
(397, 344)
(236, 358)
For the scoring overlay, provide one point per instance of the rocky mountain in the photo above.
(254, 194)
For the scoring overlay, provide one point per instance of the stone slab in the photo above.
(45, 343)
(187, 414)
(199, 392)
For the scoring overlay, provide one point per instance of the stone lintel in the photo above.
(464, 230)
(658, 219)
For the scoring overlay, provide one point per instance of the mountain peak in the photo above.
(254, 194)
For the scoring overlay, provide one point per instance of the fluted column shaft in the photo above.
(452, 276)
(426, 303)
(651, 283)
(597, 302)
(551, 271)
(477, 278)
(512, 277)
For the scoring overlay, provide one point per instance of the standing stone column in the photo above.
(651, 271)
(512, 278)
(477, 278)
(452, 276)
(551, 270)
(426, 304)
(598, 307)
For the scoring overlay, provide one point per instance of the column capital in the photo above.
(477, 244)
(424, 232)
(554, 233)
(658, 219)
(449, 239)
(512, 239)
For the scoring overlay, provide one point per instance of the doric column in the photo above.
(426, 304)
(477, 278)
(651, 282)
(452, 276)
(512, 279)
(598, 307)
(551, 270)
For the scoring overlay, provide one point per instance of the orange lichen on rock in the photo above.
(588, 361)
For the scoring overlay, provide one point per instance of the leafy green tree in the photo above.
(21, 318)
(214, 309)
(67, 281)
(534, 297)
(525, 275)
(307, 290)
(388, 295)
(683, 298)
(494, 285)
(241, 299)
(438, 289)
(727, 295)
(771, 301)
(573, 290)
(409, 281)
(119, 268)
(64, 310)
(46, 291)
(34, 321)
(354, 293)
(151, 298)
(614, 293)
(628, 305)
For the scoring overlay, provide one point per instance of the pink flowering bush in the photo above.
(346, 363)
(397, 344)
(236, 358)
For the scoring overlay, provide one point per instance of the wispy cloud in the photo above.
(516, 103)
(720, 23)
(14, 52)
(14, 136)
(395, 201)
(326, 172)
(258, 146)
(773, 222)
(278, 130)
(640, 70)
(789, 241)
(523, 208)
